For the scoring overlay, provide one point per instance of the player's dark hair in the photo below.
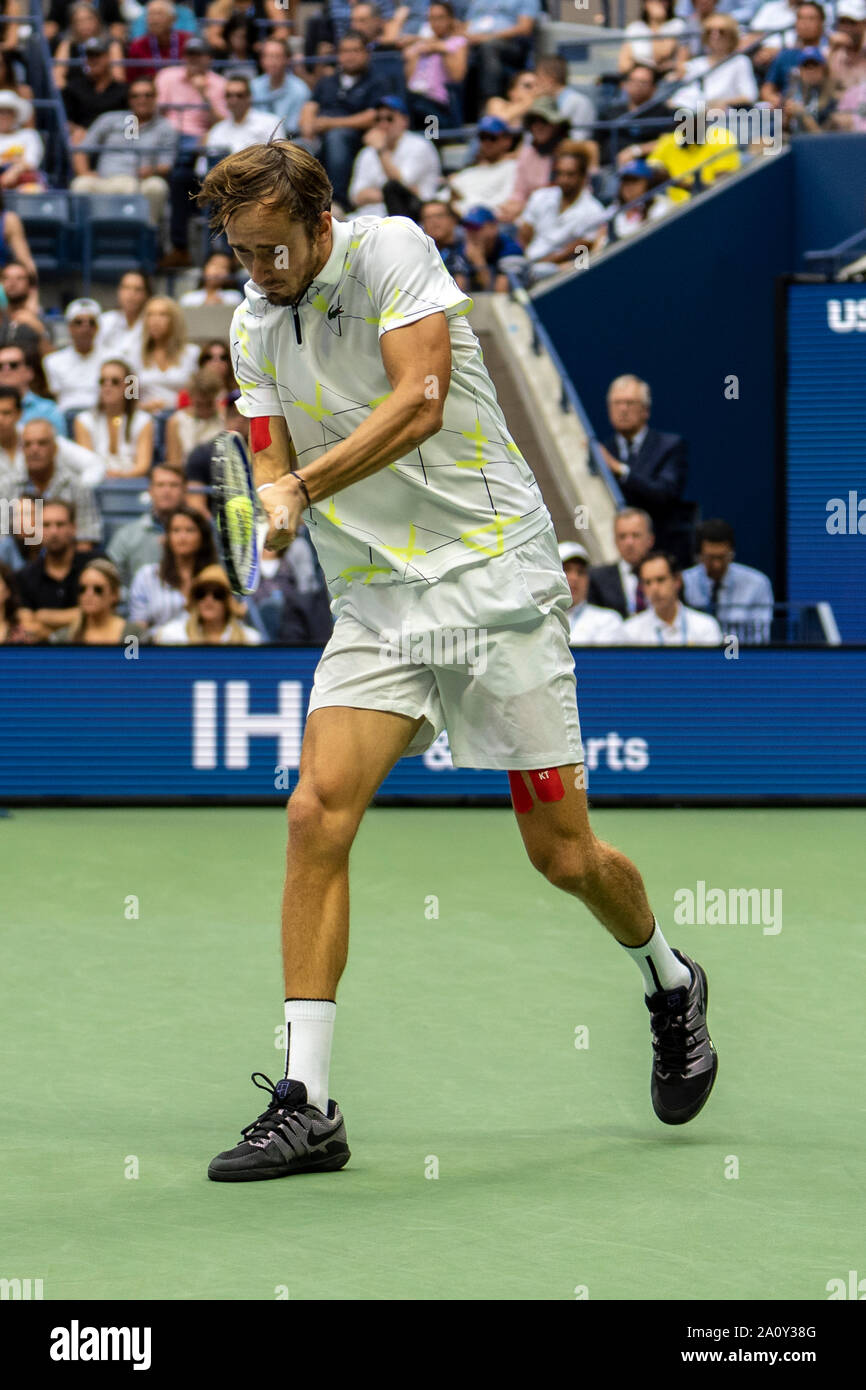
(204, 555)
(279, 172)
(11, 393)
(672, 562)
(716, 531)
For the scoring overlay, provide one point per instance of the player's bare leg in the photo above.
(554, 822)
(346, 754)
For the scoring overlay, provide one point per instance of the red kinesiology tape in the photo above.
(260, 433)
(521, 798)
(548, 784)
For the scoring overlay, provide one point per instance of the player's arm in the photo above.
(417, 361)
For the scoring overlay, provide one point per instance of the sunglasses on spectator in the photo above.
(91, 588)
(488, 135)
(210, 591)
(111, 381)
(77, 323)
(12, 366)
(216, 357)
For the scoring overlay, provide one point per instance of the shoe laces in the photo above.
(258, 1133)
(673, 1040)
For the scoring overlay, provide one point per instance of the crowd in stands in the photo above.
(156, 93)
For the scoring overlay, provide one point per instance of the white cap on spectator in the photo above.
(82, 306)
(851, 9)
(11, 101)
(573, 550)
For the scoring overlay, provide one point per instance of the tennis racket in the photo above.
(241, 519)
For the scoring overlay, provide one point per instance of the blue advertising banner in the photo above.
(825, 411)
(227, 723)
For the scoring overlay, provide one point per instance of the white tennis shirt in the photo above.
(466, 493)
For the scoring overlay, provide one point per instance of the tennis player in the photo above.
(372, 416)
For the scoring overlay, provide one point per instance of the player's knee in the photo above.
(568, 863)
(319, 824)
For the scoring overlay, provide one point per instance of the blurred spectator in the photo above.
(52, 478)
(809, 102)
(115, 429)
(161, 42)
(197, 423)
(16, 369)
(520, 94)
(142, 165)
(167, 360)
(292, 599)
(184, 19)
(741, 598)
(140, 542)
(21, 334)
(278, 90)
(215, 355)
(649, 466)
(12, 631)
(216, 285)
(91, 90)
(48, 585)
(120, 329)
(366, 19)
(552, 81)
(73, 371)
(82, 464)
(436, 67)
(545, 128)
(845, 62)
(500, 34)
(654, 38)
(589, 626)
(440, 222)
(214, 616)
(160, 591)
(19, 286)
(635, 181)
(484, 247)
(13, 239)
(808, 35)
(851, 109)
(198, 466)
(721, 77)
(407, 21)
(668, 622)
(397, 169)
(239, 36)
(243, 126)
(559, 219)
(9, 82)
(342, 107)
(192, 97)
(97, 622)
(617, 586)
(21, 147)
(85, 24)
(695, 163)
(221, 12)
(805, 31)
(635, 138)
(489, 182)
(58, 17)
(695, 13)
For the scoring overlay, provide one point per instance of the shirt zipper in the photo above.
(297, 325)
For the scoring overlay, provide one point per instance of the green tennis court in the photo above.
(129, 1040)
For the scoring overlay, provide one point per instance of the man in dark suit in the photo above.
(617, 586)
(649, 466)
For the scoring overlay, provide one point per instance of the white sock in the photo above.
(657, 963)
(309, 1033)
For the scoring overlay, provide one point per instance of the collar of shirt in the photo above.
(327, 277)
(623, 444)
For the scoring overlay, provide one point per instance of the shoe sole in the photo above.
(324, 1165)
(683, 1119)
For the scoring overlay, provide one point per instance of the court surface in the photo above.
(128, 1042)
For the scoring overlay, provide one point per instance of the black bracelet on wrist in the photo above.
(306, 490)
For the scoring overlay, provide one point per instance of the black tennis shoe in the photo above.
(291, 1136)
(684, 1061)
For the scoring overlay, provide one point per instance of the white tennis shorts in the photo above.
(483, 653)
